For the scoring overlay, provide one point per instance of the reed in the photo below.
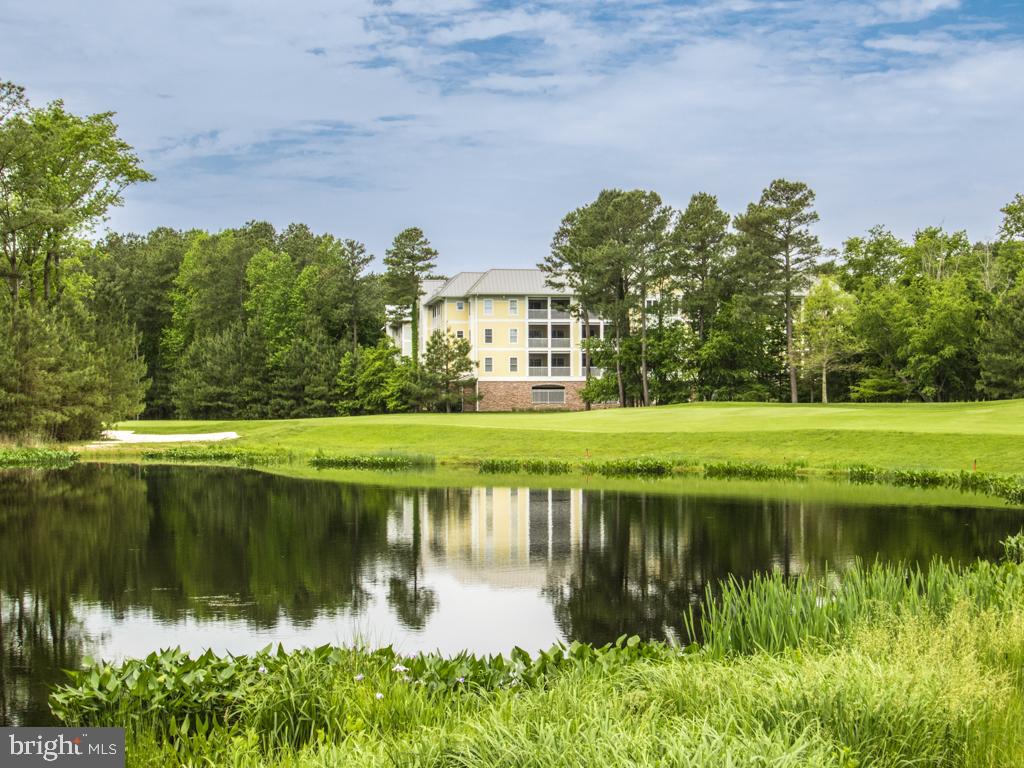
(887, 666)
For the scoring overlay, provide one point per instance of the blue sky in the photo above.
(484, 122)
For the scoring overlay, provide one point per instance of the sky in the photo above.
(484, 121)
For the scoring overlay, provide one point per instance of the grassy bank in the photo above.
(949, 437)
(1009, 488)
(886, 667)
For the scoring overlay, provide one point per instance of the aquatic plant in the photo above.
(1009, 488)
(37, 458)
(729, 469)
(220, 454)
(377, 461)
(529, 466)
(644, 467)
(887, 665)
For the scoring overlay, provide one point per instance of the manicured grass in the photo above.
(927, 436)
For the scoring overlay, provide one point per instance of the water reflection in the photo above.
(120, 560)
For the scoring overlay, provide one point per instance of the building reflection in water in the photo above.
(117, 561)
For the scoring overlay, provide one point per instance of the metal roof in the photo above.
(498, 282)
(456, 286)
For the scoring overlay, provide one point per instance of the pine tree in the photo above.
(775, 233)
(408, 261)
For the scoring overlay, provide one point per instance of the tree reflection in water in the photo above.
(105, 549)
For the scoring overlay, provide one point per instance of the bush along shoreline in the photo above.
(37, 458)
(1010, 488)
(879, 665)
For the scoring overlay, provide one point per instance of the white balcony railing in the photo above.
(538, 341)
(538, 370)
(541, 314)
(558, 370)
(556, 342)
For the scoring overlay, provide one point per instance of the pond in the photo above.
(112, 561)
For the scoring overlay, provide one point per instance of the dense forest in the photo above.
(259, 323)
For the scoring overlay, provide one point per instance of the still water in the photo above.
(116, 561)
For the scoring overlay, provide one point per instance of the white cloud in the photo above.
(238, 121)
(916, 44)
(912, 10)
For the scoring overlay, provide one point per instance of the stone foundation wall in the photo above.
(518, 396)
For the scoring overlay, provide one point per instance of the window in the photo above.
(488, 306)
(459, 334)
(488, 335)
(513, 365)
(548, 395)
(513, 306)
(513, 335)
(460, 305)
(435, 310)
(488, 364)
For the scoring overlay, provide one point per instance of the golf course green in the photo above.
(941, 436)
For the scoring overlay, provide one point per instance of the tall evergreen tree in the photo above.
(408, 261)
(701, 240)
(776, 231)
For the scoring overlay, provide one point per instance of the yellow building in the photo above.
(523, 337)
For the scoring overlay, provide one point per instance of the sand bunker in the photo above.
(129, 436)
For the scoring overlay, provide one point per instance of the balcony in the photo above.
(559, 314)
(538, 314)
(560, 370)
(538, 370)
(560, 342)
(539, 341)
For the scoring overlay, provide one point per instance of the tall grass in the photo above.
(886, 666)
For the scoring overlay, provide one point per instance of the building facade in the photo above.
(523, 337)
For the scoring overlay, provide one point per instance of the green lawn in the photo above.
(934, 436)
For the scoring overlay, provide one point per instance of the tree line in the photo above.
(704, 305)
(253, 322)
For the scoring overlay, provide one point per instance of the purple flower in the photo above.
(359, 677)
